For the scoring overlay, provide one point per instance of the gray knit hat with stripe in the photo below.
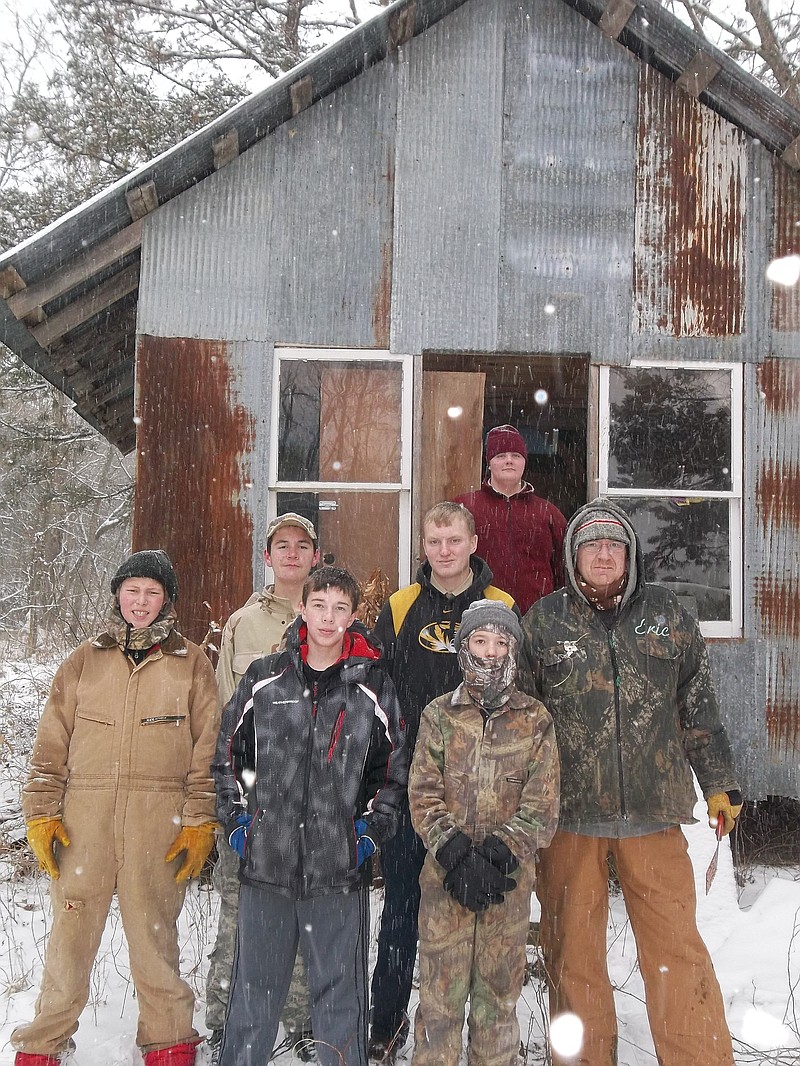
(600, 525)
(484, 613)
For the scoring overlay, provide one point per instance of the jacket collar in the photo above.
(175, 643)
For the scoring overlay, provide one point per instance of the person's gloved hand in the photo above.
(450, 854)
(476, 884)
(197, 841)
(237, 838)
(42, 832)
(499, 854)
(729, 805)
(365, 845)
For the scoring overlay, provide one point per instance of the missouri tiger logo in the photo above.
(438, 638)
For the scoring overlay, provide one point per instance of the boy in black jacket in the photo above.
(310, 770)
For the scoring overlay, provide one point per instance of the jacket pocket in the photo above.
(243, 660)
(565, 668)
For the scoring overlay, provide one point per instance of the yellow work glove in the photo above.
(197, 841)
(723, 803)
(42, 832)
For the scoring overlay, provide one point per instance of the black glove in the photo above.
(498, 854)
(451, 853)
(476, 884)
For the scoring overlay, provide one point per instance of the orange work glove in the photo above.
(42, 832)
(724, 803)
(197, 841)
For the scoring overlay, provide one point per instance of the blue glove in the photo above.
(238, 837)
(365, 845)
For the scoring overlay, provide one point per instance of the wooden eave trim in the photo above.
(120, 285)
(615, 17)
(90, 262)
(699, 74)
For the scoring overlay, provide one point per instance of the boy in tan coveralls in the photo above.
(119, 798)
(483, 793)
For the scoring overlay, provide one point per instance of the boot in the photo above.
(177, 1055)
(25, 1058)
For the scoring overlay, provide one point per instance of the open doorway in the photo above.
(544, 396)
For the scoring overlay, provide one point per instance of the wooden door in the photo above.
(452, 435)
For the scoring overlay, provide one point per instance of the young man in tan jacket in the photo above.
(291, 551)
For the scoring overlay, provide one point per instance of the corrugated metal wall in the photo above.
(512, 180)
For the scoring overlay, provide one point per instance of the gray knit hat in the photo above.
(600, 525)
(483, 613)
(154, 564)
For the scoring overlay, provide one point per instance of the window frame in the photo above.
(401, 488)
(733, 627)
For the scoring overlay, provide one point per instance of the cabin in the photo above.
(575, 216)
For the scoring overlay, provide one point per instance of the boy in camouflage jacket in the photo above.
(483, 793)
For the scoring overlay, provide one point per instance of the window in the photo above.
(670, 454)
(340, 455)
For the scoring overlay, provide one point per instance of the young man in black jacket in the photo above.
(417, 629)
(311, 770)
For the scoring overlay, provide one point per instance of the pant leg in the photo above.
(266, 944)
(334, 939)
(446, 946)
(572, 886)
(80, 901)
(218, 983)
(401, 861)
(296, 1017)
(498, 969)
(684, 1002)
(150, 902)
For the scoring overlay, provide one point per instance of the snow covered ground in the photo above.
(753, 936)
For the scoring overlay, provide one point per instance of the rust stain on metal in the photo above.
(190, 443)
(778, 495)
(783, 725)
(779, 381)
(786, 241)
(779, 606)
(690, 216)
(382, 298)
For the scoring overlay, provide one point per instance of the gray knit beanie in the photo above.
(600, 525)
(154, 564)
(483, 613)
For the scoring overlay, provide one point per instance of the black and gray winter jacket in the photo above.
(306, 759)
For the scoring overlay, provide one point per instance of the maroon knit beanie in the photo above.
(504, 439)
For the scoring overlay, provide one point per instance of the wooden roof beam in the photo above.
(143, 200)
(120, 285)
(225, 148)
(616, 16)
(699, 74)
(82, 267)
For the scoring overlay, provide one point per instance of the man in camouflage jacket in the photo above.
(624, 671)
(483, 792)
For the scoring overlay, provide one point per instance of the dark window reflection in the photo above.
(670, 429)
(686, 547)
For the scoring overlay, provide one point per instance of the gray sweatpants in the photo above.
(333, 935)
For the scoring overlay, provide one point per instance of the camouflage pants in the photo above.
(466, 956)
(296, 1017)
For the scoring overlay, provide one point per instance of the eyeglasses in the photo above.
(613, 547)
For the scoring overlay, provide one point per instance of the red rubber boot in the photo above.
(24, 1058)
(177, 1055)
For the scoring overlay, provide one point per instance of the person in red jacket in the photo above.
(520, 535)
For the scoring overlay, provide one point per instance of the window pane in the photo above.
(670, 428)
(339, 421)
(357, 530)
(685, 545)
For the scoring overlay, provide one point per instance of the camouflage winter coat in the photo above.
(499, 777)
(634, 704)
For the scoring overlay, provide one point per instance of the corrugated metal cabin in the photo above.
(556, 213)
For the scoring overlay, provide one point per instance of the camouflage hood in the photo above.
(635, 558)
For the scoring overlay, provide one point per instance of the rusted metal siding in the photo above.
(447, 192)
(786, 241)
(691, 200)
(291, 242)
(568, 163)
(777, 579)
(194, 438)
